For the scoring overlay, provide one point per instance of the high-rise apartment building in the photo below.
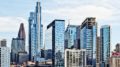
(35, 34)
(75, 58)
(57, 28)
(4, 55)
(88, 38)
(105, 43)
(98, 52)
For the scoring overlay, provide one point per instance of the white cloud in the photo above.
(11, 24)
(81, 12)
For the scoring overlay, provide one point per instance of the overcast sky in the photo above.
(14, 12)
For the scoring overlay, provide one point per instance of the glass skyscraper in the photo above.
(57, 28)
(70, 36)
(35, 34)
(105, 42)
(88, 37)
(18, 44)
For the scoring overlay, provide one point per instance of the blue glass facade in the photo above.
(18, 45)
(70, 36)
(105, 42)
(58, 29)
(35, 34)
(88, 37)
(32, 36)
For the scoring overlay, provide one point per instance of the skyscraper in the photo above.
(21, 33)
(57, 28)
(105, 43)
(32, 37)
(35, 34)
(88, 37)
(70, 36)
(17, 45)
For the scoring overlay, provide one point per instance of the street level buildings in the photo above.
(75, 58)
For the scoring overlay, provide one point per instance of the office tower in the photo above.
(21, 37)
(70, 36)
(98, 52)
(117, 47)
(21, 33)
(32, 37)
(35, 34)
(57, 28)
(17, 45)
(75, 58)
(88, 37)
(105, 43)
(3, 43)
(4, 56)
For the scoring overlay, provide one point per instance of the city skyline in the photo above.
(105, 14)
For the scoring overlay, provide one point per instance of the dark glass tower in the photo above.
(88, 38)
(57, 28)
(105, 42)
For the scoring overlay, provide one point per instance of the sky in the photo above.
(14, 12)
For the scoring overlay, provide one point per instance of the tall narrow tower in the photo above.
(39, 29)
(21, 33)
(35, 34)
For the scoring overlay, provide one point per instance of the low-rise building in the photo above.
(75, 58)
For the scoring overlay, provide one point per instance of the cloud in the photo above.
(11, 24)
(81, 12)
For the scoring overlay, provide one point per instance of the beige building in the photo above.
(115, 59)
(98, 52)
(75, 58)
